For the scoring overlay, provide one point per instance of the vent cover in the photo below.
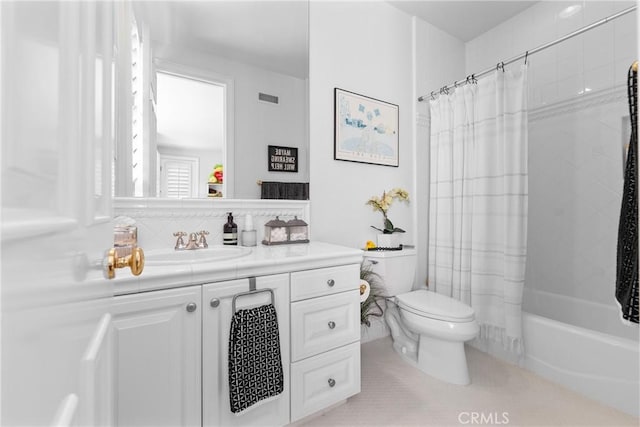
(264, 97)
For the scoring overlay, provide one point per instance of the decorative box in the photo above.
(298, 231)
(278, 232)
(275, 232)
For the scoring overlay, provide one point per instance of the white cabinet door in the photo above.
(157, 340)
(56, 127)
(216, 316)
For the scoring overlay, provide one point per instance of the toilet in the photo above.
(428, 329)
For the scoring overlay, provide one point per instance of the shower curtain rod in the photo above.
(501, 64)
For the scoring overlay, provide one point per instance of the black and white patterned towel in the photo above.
(627, 255)
(255, 365)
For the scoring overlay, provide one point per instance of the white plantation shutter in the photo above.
(178, 177)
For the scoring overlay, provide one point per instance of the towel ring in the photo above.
(257, 291)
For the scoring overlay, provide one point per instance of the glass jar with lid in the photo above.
(275, 232)
(298, 231)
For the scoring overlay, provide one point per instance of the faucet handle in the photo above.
(180, 243)
(202, 242)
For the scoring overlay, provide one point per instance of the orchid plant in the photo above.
(382, 204)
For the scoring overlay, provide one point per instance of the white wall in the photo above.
(257, 124)
(362, 47)
(440, 59)
(577, 102)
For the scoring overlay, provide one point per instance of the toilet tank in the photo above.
(396, 268)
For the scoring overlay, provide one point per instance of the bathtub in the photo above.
(600, 366)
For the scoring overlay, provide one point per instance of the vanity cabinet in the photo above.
(171, 349)
(216, 321)
(157, 358)
(325, 338)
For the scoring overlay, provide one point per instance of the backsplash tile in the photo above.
(158, 219)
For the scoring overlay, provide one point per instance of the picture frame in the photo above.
(282, 159)
(366, 130)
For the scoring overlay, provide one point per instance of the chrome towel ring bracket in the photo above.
(242, 294)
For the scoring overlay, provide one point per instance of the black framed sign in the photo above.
(283, 159)
(366, 129)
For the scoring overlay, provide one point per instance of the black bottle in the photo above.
(230, 232)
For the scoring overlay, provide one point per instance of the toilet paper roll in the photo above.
(365, 290)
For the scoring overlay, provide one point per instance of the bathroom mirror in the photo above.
(257, 52)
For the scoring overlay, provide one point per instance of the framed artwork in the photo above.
(365, 129)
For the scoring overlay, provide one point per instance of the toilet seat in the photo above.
(435, 306)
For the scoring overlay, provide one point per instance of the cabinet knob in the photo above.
(331, 282)
(332, 324)
(191, 307)
(214, 302)
(331, 382)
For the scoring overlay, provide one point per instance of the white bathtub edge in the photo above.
(547, 342)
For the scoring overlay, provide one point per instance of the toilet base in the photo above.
(445, 360)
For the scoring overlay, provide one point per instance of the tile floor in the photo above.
(395, 394)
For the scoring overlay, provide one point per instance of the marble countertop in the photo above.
(263, 260)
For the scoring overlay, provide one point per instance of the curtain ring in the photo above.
(473, 79)
(526, 56)
(433, 98)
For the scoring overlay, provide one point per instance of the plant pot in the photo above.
(388, 240)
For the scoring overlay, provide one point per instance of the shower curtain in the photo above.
(478, 201)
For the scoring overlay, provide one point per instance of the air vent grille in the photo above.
(265, 97)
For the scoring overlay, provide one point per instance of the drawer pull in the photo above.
(191, 307)
(331, 282)
(331, 382)
(214, 302)
(332, 324)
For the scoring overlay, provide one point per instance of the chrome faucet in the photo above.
(192, 244)
(196, 240)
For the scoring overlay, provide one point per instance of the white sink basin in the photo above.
(211, 254)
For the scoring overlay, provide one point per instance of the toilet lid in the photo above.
(431, 304)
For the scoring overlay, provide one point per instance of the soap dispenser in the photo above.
(230, 232)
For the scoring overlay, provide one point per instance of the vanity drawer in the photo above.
(324, 281)
(324, 323)
(323, 380)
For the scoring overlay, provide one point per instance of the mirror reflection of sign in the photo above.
(283, 159)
